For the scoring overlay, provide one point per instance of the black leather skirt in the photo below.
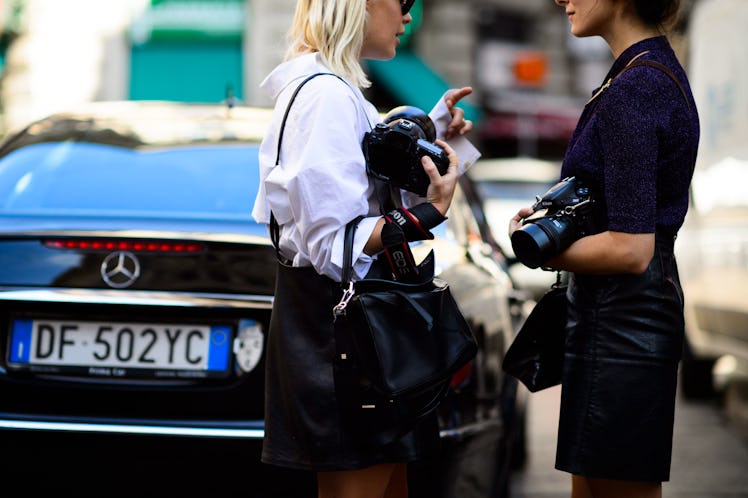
(304, 428)
(624, 342)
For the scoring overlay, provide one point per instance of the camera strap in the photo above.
(396, 250)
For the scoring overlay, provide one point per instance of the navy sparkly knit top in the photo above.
(635, 144)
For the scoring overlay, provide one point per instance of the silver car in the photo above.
(712, 252)
(506, 185)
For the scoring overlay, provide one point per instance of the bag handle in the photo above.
(350, 231)
(664, 69)
(636, 61)
(288, 109)
(274, 227)
(346, 279)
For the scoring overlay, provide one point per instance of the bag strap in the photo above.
(274, 227)
(346, 279)
(288, 109)
(635, 62)
(666, 70)
(350, 231)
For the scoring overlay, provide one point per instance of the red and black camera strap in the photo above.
(402, 226)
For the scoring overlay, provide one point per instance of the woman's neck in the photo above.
(627, 32)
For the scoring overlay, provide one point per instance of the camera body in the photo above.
(562, 215)
(394, 148)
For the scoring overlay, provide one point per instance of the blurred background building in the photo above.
(529, 75)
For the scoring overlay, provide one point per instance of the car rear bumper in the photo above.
(253, 429)
(136, 298)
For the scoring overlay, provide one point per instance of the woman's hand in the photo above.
(516, 222)
(442, 187)
(459, 125)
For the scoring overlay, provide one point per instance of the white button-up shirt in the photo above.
(320, 183)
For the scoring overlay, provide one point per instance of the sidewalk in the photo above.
(710, 455)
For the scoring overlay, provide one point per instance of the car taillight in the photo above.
(125, 245)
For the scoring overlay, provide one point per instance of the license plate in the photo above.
(120, 349)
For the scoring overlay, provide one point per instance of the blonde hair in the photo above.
(335, 29)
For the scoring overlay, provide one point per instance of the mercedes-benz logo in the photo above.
(120, 269)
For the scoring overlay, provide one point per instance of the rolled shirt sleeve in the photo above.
(321, 183)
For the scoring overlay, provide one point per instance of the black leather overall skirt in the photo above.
(303, 424)
(624, 342)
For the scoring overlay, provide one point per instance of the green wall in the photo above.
(188, 50)
(192, 71)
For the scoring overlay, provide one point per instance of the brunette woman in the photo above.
(634, 147)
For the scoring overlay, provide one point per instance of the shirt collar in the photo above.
(292, 70)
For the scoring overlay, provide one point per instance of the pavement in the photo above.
(710, 449)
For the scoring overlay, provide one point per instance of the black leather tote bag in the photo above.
(402, 341)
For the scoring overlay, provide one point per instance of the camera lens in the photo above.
(534, 243)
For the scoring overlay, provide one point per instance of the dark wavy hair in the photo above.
(657, 12)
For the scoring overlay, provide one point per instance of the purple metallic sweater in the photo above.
(635, 144)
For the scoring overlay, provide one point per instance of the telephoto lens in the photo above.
(559, 217)
(536, 241)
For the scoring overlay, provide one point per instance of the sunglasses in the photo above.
(406, 5)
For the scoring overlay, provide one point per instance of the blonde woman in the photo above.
(310, 188)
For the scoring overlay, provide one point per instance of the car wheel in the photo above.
(696, 375)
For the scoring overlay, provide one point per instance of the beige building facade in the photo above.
(80, 50)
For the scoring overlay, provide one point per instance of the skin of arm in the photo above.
(600, 254)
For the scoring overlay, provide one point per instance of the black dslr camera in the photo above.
(562, 215)
(394, 148)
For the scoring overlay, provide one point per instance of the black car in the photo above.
(135, 296)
